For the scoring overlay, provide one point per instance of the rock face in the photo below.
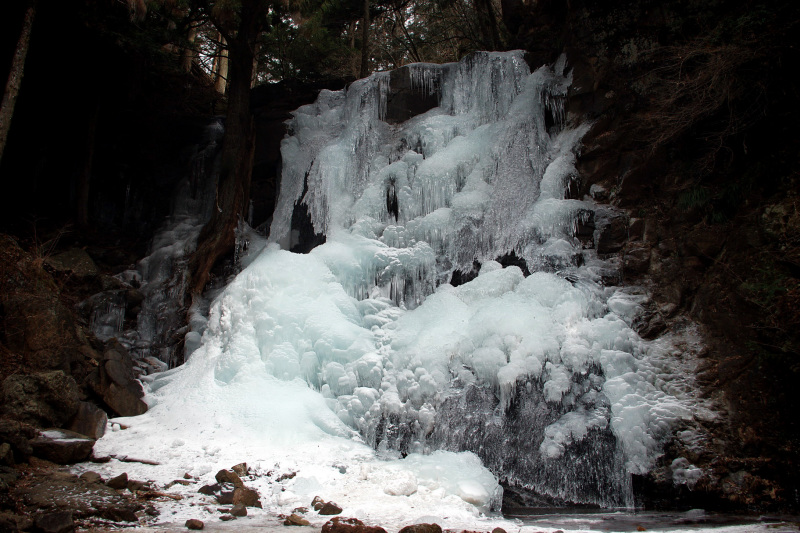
(44, 398)
(62, 446)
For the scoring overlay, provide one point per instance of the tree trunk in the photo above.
(188, 54)
(221, 80)
(15, 76)
(365, 42)
(233, 188)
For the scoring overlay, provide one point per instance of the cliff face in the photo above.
(692, 147)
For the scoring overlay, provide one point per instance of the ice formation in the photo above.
(362, 344)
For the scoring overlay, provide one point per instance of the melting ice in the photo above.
(384, 387)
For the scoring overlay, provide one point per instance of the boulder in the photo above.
(240, 469)
(55, 522)
(636, 258)
(422, 528)
(195, 524)
(296, 520)
(349, 525)
(41, 329)
(62, 446)
(209, 490)
(43, 399)
(239, 510)
(330, 508)
(74, 261)
(125, 400)
(18, 435)
(89, 420)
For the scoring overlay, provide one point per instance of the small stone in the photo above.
(330, 508)
(422, 528)
(317, 503)
(296, 520)
(187, 475)
(120, 482)
(91, 477)
(239, 510)
(57, 522)
(498, 530)
(246, 497)
(227, 517)
(300, 510)
(349, 525)
(134, 485)
(229, 476)
(194, 523)
(240, 469)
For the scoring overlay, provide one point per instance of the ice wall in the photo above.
(364, 340)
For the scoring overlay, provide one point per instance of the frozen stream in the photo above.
(359, 374)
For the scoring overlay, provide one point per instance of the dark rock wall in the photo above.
(693, 150)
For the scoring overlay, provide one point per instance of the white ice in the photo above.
(307, 359)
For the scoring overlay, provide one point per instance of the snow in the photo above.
(337, 365)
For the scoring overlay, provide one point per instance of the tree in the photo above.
(15, 76)
(240, 23)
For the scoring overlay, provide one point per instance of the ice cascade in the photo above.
(364, 339)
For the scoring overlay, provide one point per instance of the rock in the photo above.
(91, 477)
(229, 476)
(246, 497)
(134, 485)
(118, 483)
(41, 329)
(74, 261)
(119, 514)
(317, 503)
(56, 522)
(8, 525)
(636, 258)
(125, 401)
(18, 435)
(43, 399)
(498, 530)
(194, 523)
(209, 490)
(239, 510)
(611, 232)
(349, 525)
(62, 446)
(227, 517)
(422, 528)
(6, 454)
(405, 100)
(296, 520)
(225, 498)
(330, 508)
(240, 469)
(705, 242)
(89, 420)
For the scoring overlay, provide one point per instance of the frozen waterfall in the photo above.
(360, 368)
